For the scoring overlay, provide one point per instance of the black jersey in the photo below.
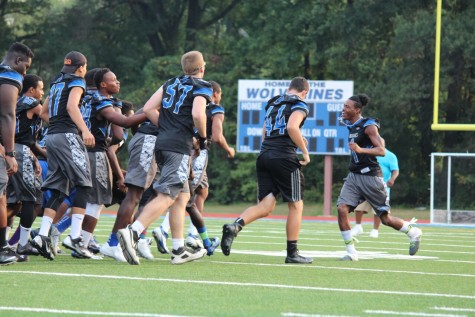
(211, 110)
(148, 127)
(26, 129)
(175, 123)
(59, 119)
(10, 77)
(362, 163)
(97, 124)
(278, 111)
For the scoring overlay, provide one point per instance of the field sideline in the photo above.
(254, 281)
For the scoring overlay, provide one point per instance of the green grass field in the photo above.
(254, 281)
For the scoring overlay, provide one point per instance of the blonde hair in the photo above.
(191, 62)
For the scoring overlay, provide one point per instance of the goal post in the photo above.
(452, 184)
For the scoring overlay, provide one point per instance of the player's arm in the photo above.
(119, 119)
(115, 166)
(378, 148)
(153, 105)
(44, 113)
(394, 175)
(199, 115)
(75, 114)
(8, 98)
(293, 128)
(218, 136)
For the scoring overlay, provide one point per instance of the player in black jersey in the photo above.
(12, 70)
(68, 163)
(199, 184)
(182, 104)
(365, 180)
(278, 168)
(22, 190)
(101, 116)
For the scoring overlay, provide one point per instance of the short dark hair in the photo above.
(20, 49)
(99, 76)
(216, 87)
(300, 84)
(127, 106)
(89, 77)
(360, 100)
(30, 81)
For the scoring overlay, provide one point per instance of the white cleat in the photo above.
(357, 230)
(113, 252)
(184, 254)
(143, 248)
(350, 257)
(374, 233)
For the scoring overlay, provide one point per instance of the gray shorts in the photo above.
(198, 165)
(22, 184)
(358, 188)
(68, 163)
(3, 175)
(174, 170)
(101, 175)
(142, 168)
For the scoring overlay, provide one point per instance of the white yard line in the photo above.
(229, 283)
(78, 312)
(468, 310)
(388, 312)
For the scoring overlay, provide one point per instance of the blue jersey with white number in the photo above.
(278, 111)
(97, 124)
(175, 123)
(26, 129)
(59, 119)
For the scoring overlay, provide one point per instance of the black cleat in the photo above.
(43, 245)
(7, 256)
(298, 259)
(230, 231)
(26, 249)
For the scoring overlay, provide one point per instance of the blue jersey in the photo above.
(26, 129)
(97, 124)
(10, 77)
(278, 111)
(175, 123)
(59, 119)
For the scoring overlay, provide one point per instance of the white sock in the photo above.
(76, 225)
(24, 235)
(166, 223)
(45, 225)
(348, 239)
(138, 227)
(86, 237)
(192, 230)
(178, 243)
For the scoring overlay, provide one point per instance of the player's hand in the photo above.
(120, 183)
(354, 147)
(305, 141)
(306, 159)
(88, 139)
(231, 152)
(12, 165)
(203, 143)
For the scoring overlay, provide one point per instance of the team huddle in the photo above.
(59, 161)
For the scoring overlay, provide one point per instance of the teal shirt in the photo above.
(388, 164)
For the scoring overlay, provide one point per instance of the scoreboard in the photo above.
(322, 128)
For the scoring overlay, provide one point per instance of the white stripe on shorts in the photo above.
(295, 183)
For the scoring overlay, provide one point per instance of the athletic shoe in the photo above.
(374, 233)
(90, 255)
(34, 233)
(43, 245)
(7, 256)
(55, 237)
(143, 248)
(230, 231)
(357, 230)
(214, 244)
(415, 241)
(297, 258)
(350, 257)
(161, 237)
(113, 252)
(184, 254)
(128, 239)
(94, 246)
(194, 242)
(77, 245)
(26, 249)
